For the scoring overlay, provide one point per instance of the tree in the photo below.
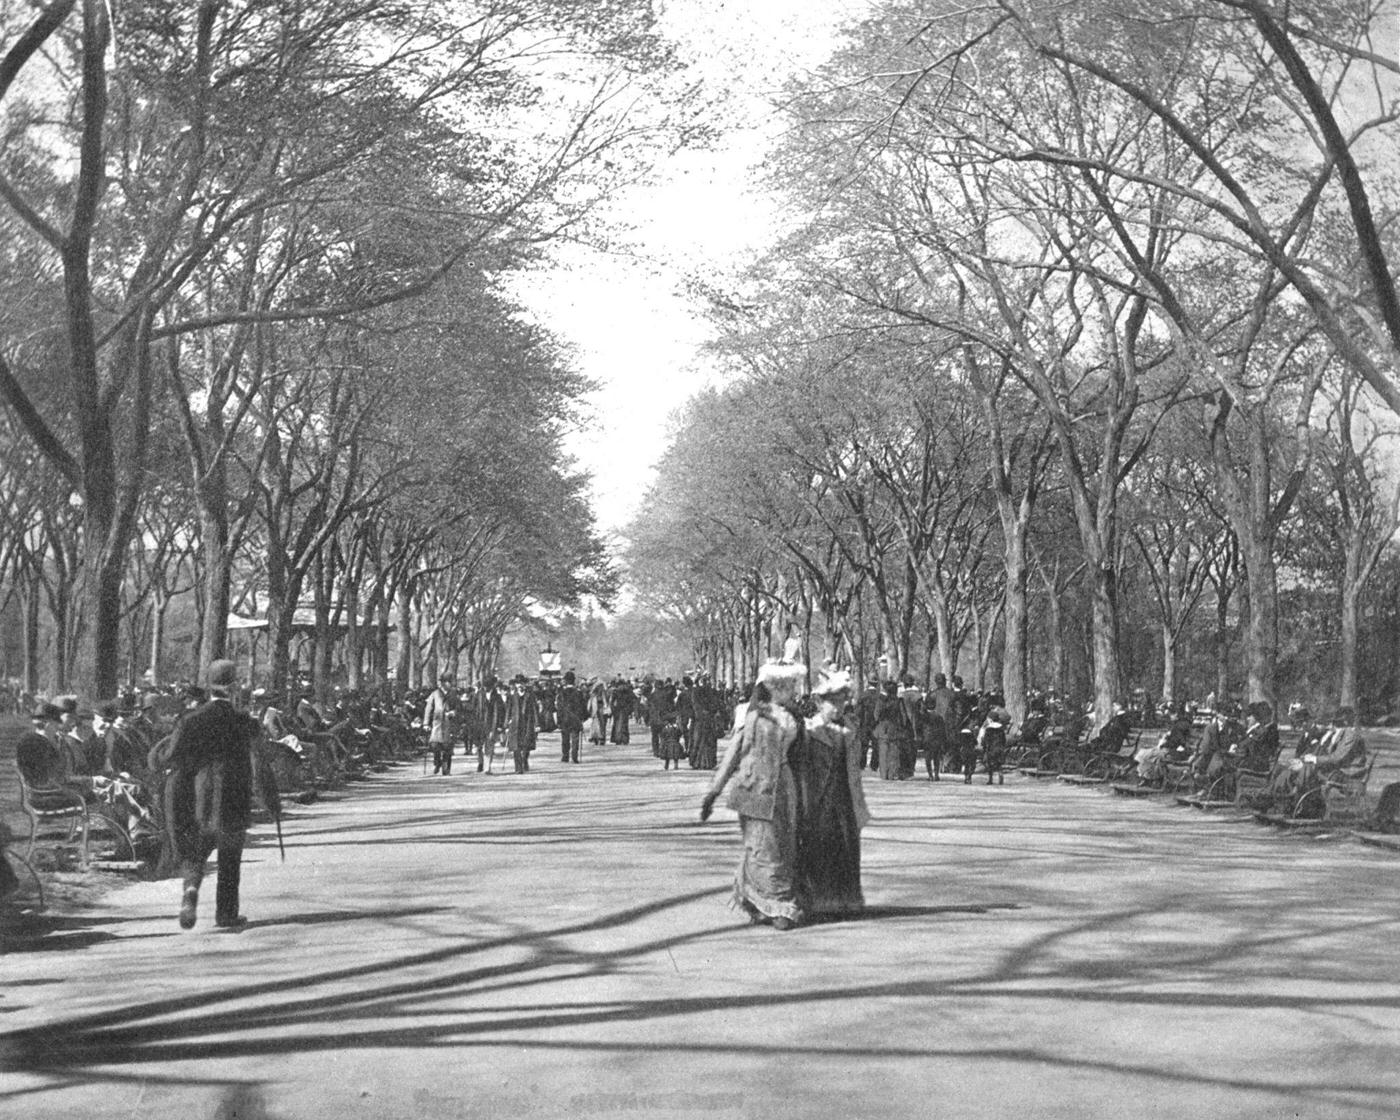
(224, 129)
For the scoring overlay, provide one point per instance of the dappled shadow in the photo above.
(44, 941)
(511, 989)
(876, 913)
(390, 1007)
(325, 917)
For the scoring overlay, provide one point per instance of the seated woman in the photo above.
(893, 735)
(1173, 747)
(1115, 732)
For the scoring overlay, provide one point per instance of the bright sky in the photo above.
(634, 329)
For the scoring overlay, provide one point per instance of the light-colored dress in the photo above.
(764, 794)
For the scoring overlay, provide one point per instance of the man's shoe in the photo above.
(187, 908)
(233, 925)
(784, 924)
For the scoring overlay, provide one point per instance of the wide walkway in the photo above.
(558, 945)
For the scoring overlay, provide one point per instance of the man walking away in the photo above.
(209, 796)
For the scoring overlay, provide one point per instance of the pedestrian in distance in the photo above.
(436, 718)
(672, 747)
(570, 710)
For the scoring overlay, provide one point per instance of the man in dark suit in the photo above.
(522, 722)
(661, 710)
(209, 796)
(570, 709)
(491, 710)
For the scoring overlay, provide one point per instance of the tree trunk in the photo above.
(31, 637)
(1350, 625)
(381, 644)
(405, 639)
(1222, 647)
(1055, 635)
(1261, 635)
(218, 574)
(159, 606)
(354, 637)
(1104, 639)
(97, 657)
(281, 611)
(322, 645)
(1169, 665)
(1017, 629)
(59, 610)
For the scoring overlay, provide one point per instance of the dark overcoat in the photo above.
(209, 793)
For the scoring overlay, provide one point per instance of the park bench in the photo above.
(61, 815)
(20, 885)
(1339, 797)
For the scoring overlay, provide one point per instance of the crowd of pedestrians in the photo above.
(180, 770)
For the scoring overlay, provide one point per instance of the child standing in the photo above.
(670, 747)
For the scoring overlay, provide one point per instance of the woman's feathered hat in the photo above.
(832, 681)
(782, 673)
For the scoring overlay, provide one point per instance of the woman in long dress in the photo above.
(891, 733)
(833, 809)
(764, 794)
(598, 711)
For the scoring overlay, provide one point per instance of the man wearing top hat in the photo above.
(522, 722)
(209, 796)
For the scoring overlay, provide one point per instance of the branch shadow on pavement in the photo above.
(403, 1010)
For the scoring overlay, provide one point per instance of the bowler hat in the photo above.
(222, 674)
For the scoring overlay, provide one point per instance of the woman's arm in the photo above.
(733, 753)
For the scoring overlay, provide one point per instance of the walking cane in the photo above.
(282, 851)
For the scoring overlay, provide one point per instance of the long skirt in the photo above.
(766, 883)
(704, 746)
(892, 757)
(828, 856)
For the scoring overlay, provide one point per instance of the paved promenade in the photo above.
(558, 945)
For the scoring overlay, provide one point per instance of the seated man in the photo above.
(38, 758)
(46, 765)
(1282, 778)
(1259, 748)
(1221, 735)
(1341, 752)
(1311, 732)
